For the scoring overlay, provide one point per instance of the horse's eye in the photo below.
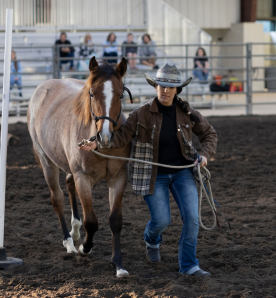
(91, 94)
(122, 96)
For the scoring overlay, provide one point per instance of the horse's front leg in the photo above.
(75, 219)
(116, 192)
(90, 221)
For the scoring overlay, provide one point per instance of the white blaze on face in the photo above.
(108, 98)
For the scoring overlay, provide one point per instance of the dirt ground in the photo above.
(241, 259)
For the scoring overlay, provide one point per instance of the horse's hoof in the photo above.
(122, 273)
(69, 245)
(82, 253)
(75, 232)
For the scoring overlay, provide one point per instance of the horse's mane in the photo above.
(81, 103)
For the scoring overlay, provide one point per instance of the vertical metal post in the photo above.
(186, 71)
(56, 62)
(5, 118)
(145, 12)
(5, 262)
(248, 78)
(211, 74)
(53, 62)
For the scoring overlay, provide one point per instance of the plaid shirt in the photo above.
(141, 172)
(143, 128)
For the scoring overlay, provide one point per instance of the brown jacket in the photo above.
(144, 125)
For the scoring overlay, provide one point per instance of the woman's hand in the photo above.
(204, 161)
(88, 146)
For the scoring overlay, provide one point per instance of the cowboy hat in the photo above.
(167, 76)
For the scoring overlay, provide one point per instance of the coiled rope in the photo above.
(206, 175)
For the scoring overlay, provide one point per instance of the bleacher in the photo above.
(35, 51)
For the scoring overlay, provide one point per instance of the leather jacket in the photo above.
(143, 126)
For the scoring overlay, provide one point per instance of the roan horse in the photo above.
(61, 113)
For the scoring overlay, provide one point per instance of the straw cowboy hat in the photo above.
(167, 76)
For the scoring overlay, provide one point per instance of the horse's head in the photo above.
(106, 92)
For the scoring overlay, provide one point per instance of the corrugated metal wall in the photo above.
(209, 13)
(75, 13)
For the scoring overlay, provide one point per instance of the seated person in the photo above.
(87, 49)
(201, 65)
(148, 51)
(130, 51)
(219, 86)
(86, 52)
(110, 48)
(16, 69)
(65, 51)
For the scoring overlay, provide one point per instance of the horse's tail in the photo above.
(37, 158)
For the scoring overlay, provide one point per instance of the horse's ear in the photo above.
(93, 64)
(122, 67)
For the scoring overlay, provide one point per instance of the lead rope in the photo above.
(209, 195)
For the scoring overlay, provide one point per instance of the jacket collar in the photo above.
(153, 105)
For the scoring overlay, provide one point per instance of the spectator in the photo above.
(130, 51)
(16, 69)
(148, 51)
(87, 51)
(67, 51)
(110, 47)
(201, 65)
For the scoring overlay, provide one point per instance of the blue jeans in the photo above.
(69, 55)
(183, 187)
(202, 76)
(111, 54)
(18, 82)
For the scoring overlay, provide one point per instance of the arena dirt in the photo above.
(241, 259)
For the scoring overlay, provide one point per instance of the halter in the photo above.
(96, 118)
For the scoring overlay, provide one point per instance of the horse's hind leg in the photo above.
(90, 221)
(51, 173)
(75, 219)
(116, 192)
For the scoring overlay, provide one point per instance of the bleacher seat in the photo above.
(39, 66)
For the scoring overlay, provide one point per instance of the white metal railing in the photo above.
(247, 64)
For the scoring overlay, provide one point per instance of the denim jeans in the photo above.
(111, 54)
(202, 76)
(69, 55)
(183, 188)
(18, 83)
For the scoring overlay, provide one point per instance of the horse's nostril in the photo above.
(99, 136)
(112, 136)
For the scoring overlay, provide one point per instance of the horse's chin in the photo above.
(105, 146)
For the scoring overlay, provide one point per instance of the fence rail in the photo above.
(247, 68)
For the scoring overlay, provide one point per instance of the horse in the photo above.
(61, 113)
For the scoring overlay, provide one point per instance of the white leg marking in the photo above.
(75, 232)
(108, 98)
(122, 273)
(69, 245)
(82, 252)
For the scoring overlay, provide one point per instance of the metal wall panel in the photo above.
(209, 13)
(75, 13)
